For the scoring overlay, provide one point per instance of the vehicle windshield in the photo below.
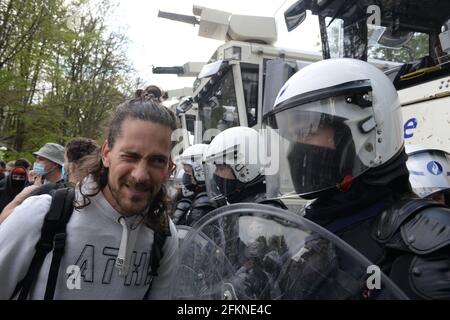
(405, 47)
(393, 31)
(217, 108)
(250, 79)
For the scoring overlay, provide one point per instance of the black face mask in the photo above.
(187, 181)
(18, 184)
(227, 186)
(313, 168)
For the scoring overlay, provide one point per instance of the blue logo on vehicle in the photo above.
(434, 168)
(409, 127)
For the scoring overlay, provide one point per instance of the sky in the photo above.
(160, 42)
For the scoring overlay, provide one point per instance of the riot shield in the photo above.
(182, 232)
(258, 252)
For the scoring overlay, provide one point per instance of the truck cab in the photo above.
(412, 33)
(232, 87)
(231, 90)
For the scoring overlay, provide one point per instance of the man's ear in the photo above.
(105, 154)
(172, 167)
(166, 173)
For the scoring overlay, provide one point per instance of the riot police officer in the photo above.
(429, 172)
(233, 167)
(234, 171)
(340, 128)
(182, 198)
(195, 202)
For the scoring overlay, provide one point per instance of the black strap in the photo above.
(346, 222)
(59, 241)
(52, 235)
(24, 286)
(156, 255)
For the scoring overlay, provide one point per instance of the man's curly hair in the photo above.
(80, 147)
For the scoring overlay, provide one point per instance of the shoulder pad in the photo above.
(202, 199)
(183, 204)
(428, 231)
(201, 195)
(181, 209)
(430, 276)
(200, 207)
(394, 216)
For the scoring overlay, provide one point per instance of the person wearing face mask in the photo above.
(196, 203)
(234, 172)
(49, 163)
(8, 168)
(75, 153)
(342, 146)
(15, 183)
(233, 169)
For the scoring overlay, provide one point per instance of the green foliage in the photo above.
(3, 153)
(61, 72)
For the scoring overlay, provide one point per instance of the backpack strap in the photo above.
(52, 236)
(156, 255)
(59, 239)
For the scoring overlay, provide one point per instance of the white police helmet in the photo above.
(429, 170)
(237, 148)
(336, 119)
(193, 156)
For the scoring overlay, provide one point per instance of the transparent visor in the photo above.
(215, 188)
(257, 252)
(178, 184)
(429, 172)
(322, 145)
(194, 169)
(178, 180)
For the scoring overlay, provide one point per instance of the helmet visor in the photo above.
(215, 185)
(323, 144)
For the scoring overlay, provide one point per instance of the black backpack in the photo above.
(53, 237)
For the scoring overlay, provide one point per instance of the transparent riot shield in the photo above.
(258, 252)
(182, 232)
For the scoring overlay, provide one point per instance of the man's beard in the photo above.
(132, 208)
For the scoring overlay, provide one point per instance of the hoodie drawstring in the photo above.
(127, 244)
